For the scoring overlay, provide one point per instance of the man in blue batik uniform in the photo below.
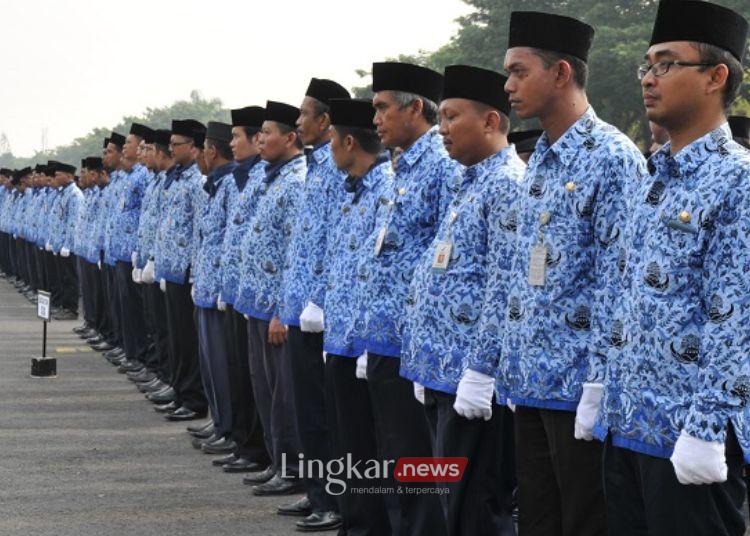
(676, 377)
(250, 452)
(358, 152)
(445, 303)
(303, 292)
(559, 300)
(406, 112)
(68, 212)
(213, 344)
(174, 259)
(125, 214)
(264, 260)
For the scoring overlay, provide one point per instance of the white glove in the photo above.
(134, 259)
(65, 252)
(48, 246)
(192, 293)
(163, 285)
(361, 372)
(419, 392)
(588, 407)
(148, 272)
(325, 357)
(511, 405)
(220, 305)
(474, 395)
(137, 276)
(698, 462)
(99, 264)
(246, 317)
(311, 319)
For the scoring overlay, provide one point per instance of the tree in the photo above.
(623, 29)
(197, 107)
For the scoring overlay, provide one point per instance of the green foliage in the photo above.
(197, 107)
(623, 28)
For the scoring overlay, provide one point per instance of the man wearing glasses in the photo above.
(677, 376)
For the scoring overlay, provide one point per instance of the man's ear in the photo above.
(718, 79)
(564, 73)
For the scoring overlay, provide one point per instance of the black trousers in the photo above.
(132, 323)
(40, 269)
(113, 303)
(362, 513)
(13, 257)
(155, 310)
(85, 283)
(247, 431)
(4, 264)
(104, 324)
(53, 278)
(481, 503)
(402, 431)
(183, 348)
(66, 269)
(644, 497)
(214, 368)
(304, 351)
(560, 482)
(34, 279)
(274, 398)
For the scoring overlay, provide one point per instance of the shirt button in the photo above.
(685, 216)
(570, 186)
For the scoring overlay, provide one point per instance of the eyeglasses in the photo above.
(661, 68)
(173, 145)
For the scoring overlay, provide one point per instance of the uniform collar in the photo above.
(211, 185)
(410, 156)
(242, 171)
(480, 169)
(274, 170)
(692, 156)
(358, 185)
(320, 153)
(567, 148)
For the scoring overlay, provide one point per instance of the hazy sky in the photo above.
(69, 66)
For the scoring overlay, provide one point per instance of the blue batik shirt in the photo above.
(112, 195)
(346, 250)
(571, 202)
(177, 235)
(321, 197)
(444, 306)
(91, 243)
(126, 212)
(102, 219)
(45, 216)
(152, 209)
(220, 189)
(265, 245)
(68, 209)
(678, 357)
(248, 174)
(425, 176)
(83, 231)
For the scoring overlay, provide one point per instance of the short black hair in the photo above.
(716, 56)
(579, 67)
(250, 131)
(286, 129)
(222, 147)
(504, 119)
(158, 147)
(367, 139)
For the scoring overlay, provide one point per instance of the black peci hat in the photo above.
(355, 113)
(394, 76)
(547, 31)
(474, 83)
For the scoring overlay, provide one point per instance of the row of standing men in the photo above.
(446, 300)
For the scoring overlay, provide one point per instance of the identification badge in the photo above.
(122, 204)
(381, 238)
(442, 256)
(537, 265)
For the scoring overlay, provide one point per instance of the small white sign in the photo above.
(43, 305)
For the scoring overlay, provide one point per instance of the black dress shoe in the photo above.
(88, 334)
(130, 366)
(242, 465)
(184, 414)
(65, 314)
(152, 386)
(78, 330)
(259, 477)
(115, 352)
(224, 460)
(203, 434)
(95, 339)
(319, 521)
(163, 396)
(278, 486)
(198, 442)
(116, 361)
(142, 376)
(102, 346)
(222, 445)
(300, 508)
(201, 426)
(166, 408)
